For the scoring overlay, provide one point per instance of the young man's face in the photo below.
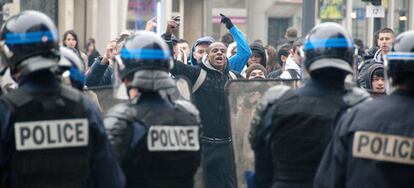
(217, 55)
(255, 58)
(256, 74)
(199, 51)
(185, 47)
(378, 84)
(385, 41)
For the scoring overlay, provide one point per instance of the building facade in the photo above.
(266, 20)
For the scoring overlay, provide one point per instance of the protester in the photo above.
(91, 51)
(256, 71)
(101, 72)
(70, 40)
(385, 39)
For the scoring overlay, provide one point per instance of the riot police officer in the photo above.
(292, 128)
(373, 143)
(71, 73)
(156, 139)
(51, 135)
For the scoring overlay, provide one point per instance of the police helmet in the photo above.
(26, 35)
(328, 46)
(399, 62)
(71, 68)
(144, 51)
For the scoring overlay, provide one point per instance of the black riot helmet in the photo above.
(328, 46)
(399, 62)
(29, 42)
(71, 69)
(144, 51)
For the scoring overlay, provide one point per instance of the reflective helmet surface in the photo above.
(328, 45)
(71, 70)
(29, 34)
(399, 62)
(144, 51)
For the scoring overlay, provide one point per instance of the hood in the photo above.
(370, 73)
(206, 64)
(291, 64)
(258, 48)
(202, 40)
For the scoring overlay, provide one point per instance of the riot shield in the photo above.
(105, 95)
(242, 96)
(106, 99)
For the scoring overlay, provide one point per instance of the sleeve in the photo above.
(263, 157)
(105, 169)
(5, 142)
(362, 74)
(96, 75)
(167, 39)
(191, 72)
(119, 135)
(332, 169)
(238, 61)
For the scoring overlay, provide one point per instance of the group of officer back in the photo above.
(327, 135)
(53, 136)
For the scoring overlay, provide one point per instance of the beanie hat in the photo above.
(253, 67)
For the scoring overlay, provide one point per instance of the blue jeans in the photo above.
(218, 163)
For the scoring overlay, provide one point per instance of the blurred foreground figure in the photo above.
(373, 143)
(292, 128)
(51, 135)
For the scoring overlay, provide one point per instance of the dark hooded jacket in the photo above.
(209, 97)
(363, 68)
(258, 48)
(370, 74)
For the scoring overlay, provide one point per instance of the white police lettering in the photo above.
(173, 138)
(35, 135)
(383, 147)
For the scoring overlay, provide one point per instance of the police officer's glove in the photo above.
(227, 21)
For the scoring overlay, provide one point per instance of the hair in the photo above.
(182, 41)
(379, 72)
(298, 42)
(75, 36)
(283, 50)
(291, 32)
(91, 41)
(227, 39)
(386, 30)
(258, 41)
(271, 64)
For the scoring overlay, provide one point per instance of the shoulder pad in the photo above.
(70, 93)
(355, 96)
(18, 97)
(122, 111)
(269, 97)
(189, 107)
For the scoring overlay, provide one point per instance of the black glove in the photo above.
(227, 21)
